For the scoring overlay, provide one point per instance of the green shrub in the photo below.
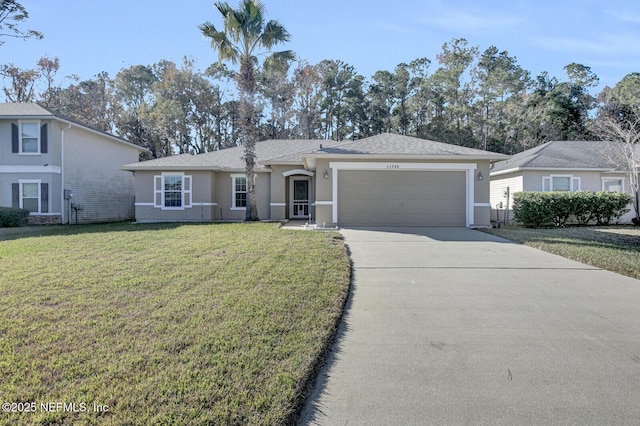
(583, 206)
(610, 206)
(533, 209)
(536, 209)
(10, 217)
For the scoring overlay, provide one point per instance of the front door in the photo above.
(300, 200)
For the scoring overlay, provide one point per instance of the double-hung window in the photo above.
(239, 192)
(172, 191)
(30, 194)
(560, 183)
(613, 184)
(30, 137)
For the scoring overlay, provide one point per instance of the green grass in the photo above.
(166, 324)
(615, 248)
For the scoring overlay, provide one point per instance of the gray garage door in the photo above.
(401, 198)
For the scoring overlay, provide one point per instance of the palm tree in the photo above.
(246, 36)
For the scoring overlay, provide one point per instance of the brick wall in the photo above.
(44, 220)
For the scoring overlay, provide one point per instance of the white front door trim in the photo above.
(297, 172)
(468, 168)
(292, 201)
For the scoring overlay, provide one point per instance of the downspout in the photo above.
(62, 200)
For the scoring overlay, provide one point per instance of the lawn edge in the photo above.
(318, 366)
(547, 248)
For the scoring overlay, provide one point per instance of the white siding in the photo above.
(92, 171)
(496, 194)
(532, 180)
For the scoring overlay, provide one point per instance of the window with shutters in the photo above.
(172, 191)
(30, 194)
(29, 138)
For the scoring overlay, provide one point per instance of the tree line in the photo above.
(465, 97)
(481, 100)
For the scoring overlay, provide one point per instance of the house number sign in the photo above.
(393, 166)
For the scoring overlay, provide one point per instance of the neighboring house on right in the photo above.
(555, 166)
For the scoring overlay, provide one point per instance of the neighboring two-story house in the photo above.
(63, 171)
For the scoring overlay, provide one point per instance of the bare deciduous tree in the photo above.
(622, 136)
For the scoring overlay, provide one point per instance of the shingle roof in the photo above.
(393, 144)
(293, 151)
(23, 109)
(35, 111)
(231, 158)
(559, 155)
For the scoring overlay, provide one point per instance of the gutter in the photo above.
(133, 168)
(556, 169)
(414, 157)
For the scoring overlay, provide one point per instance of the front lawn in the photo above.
(615, 248)
(165, 324)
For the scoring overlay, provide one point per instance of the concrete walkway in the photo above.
(454, 326)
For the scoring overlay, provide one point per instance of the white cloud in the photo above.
(606, 45)
(480, 22)
(628, 16)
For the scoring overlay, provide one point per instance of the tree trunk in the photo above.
(247, 88)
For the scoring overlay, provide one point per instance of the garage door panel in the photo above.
(409, 198)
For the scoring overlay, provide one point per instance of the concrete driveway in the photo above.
(454, 326)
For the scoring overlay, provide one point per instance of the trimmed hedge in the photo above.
(536, 209)
(10, 218)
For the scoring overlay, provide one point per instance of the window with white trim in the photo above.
(29, 137)
(560, 183)
(613, 184)
(172, 191)
(30, 196)
(239, 192)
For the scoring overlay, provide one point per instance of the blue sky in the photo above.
(91, 36)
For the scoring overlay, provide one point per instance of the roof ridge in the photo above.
(80, 123)
(534, 155)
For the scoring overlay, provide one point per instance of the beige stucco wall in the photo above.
(201, 209)
(481, 197)
(211, 198)
(277, 210)
(224, 191)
